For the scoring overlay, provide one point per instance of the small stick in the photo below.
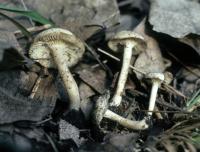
(34, 29)
(35, 88)
(172, 90)
(43, 121)
(117, 59)
(51, 142)
(163, 111)
(184, 66)
(98, 65)
(95, 55)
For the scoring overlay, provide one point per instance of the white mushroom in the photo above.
(132, 44)
(101, 111)
(131, 124)
(156, 79)
(59, 48)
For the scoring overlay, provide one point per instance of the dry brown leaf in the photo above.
(74, 15)
(85, 91)
(150, 60)
(94, 77)
(179, 19)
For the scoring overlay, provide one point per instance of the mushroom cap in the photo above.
(57, 39)
(100, 107)
(121, 39)
(155, 76)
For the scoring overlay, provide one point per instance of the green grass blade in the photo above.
(194, 100)
(31, 14)
(18, 25)
(196, 139)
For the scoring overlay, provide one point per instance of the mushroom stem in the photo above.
(69, 83)
(117, 98)
(153, 95)
(135, 125)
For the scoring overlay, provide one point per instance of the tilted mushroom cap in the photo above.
(156, 76)
(72, 47)
(123, 37)
(100, 107)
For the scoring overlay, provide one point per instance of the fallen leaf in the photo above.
(114, 142)
(175, 18)
(20, 82)
(68, 131)
(193, 41)
(74, 15)
(150, 60)
(16, 108)
(9, 51)
(94, 77)
(15, 142)
(85, 91)
(179, 19)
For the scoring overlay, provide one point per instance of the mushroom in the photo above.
(156, 79)
(101, 111)
(61, 49)
(132, 44)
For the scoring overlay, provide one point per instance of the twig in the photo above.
(97, 65)
(34, 29)
(35, 87)
(43, 121)
(184, 66)
(117, 59)
(104, 66)
(168, 105)
(124, 3)
(173, 90)
(51, 142)
(163, 111)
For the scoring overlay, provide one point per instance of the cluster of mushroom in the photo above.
(61, 49)
(132, 44)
